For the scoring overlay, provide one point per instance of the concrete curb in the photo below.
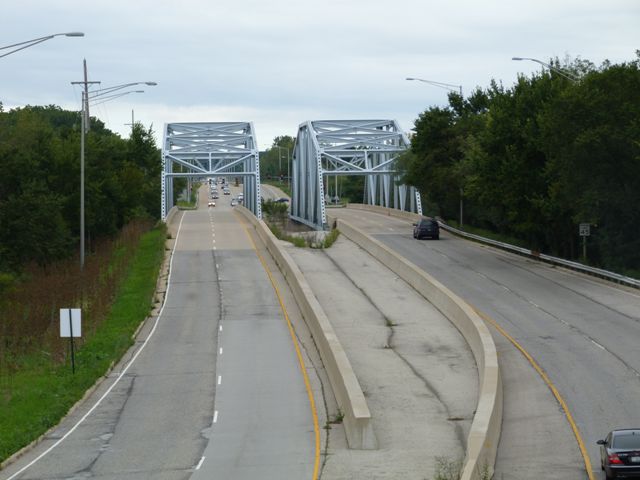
(171, 214)
(346, 388)
(484, 434)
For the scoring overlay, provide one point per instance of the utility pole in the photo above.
(461, 206)
(132, 122)
(85, 129)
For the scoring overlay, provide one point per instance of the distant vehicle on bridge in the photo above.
(426, 228)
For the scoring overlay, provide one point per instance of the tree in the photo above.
(539, 157)
(39, 187)
(273, 161)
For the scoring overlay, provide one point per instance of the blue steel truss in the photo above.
(329, 148)
(220, 149)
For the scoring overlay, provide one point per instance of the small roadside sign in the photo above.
(70, 322)
(71, 326)
(585, 229)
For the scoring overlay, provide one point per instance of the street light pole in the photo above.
(107, 95)
(453, 88)
(559, 71)
(280, 159)
(446, 86)
(84, 128)
(35, 41)
(108, 98)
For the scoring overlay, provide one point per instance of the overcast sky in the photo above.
(279, 63)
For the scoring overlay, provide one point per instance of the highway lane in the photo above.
(263, 424)
(150, 425)
(215, 392)
(582, 331)
(269, 192)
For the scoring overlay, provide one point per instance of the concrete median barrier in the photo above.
(484, 435)
(171, 214)
(346, 388)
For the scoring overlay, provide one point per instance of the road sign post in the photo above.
(71, 326)
(584, 230)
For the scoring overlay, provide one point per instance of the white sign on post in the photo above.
(585, 229)
(70, 322)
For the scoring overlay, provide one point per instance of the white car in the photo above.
(234, 202)
(212, 204)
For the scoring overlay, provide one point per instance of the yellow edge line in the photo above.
(307, 383)
(554, 390)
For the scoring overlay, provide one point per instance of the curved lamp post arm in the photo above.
(109, 90)
(447, 86)
(113, 97)
(563, 73)
(35, 41)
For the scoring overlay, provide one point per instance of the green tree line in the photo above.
(538, 158)
(40, 183)
(275, 161)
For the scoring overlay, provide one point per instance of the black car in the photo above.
(620, 453)
(426, 228)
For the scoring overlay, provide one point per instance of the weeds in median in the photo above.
(336, 420)
(448, 469)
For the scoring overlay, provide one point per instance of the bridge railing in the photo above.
(577, 266)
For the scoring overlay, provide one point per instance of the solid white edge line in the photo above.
(122, 373)
(200, 463)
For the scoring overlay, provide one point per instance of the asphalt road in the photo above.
(582, 331)
(215, 392)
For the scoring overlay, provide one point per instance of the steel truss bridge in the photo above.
(221, 149)
(348, 147)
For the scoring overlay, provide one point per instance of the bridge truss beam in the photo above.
(331, 148)
(220, 149)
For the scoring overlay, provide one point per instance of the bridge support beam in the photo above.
(331, 148)
(217, 149)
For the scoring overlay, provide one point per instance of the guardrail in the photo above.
(577, 266)
(484, 434)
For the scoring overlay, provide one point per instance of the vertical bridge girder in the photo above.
(211, 149)
(368, 148)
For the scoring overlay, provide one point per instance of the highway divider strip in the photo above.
(484, 434)
(357, 420)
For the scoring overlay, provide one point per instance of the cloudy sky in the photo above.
(278, 63)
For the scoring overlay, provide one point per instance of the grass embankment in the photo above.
(192, 204)
(41, 392)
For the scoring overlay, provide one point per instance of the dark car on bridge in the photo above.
(620, 453)
(426, 228)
